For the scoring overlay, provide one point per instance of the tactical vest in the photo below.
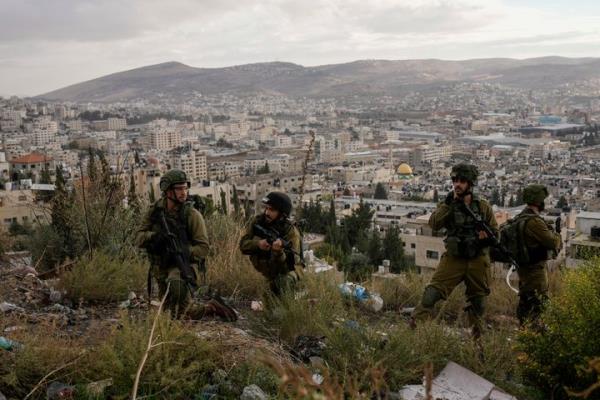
(178, 226)
(536, 253)
(462, 239)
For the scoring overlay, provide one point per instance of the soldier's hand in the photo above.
(277, 245)
(264, 245)
(449, 198)
(483, 235)
(467, 199)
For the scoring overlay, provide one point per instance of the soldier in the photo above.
(280, 266)
(466, 258)
(541, 243)
(173, 219)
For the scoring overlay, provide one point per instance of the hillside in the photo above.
(365, 77)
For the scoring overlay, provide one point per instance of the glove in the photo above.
(449, 198)
(158, 242)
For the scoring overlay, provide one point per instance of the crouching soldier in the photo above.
(273, 244)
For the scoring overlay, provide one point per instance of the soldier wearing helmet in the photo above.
(466, 258)
(186, 226)
(281, 268)
(541, 242)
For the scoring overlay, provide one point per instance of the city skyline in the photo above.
(46, 46)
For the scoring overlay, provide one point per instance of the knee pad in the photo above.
(431, 295)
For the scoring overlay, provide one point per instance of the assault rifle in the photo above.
(495, 243)
(173, 247)
(271, 236)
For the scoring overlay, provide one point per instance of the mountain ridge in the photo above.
(361, 77)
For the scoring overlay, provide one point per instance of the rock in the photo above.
(131, 296)
(306, 347)
(97, 388)
(59, 391)
(8, 307)
(55, 296)
(253, 392)
(13, 328)
(2, 397)
(59, 308)
(125, 304)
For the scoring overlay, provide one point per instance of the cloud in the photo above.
(48, 44)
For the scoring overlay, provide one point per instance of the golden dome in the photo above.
(404, 169)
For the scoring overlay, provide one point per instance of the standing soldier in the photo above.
(466, 258)
(281, 266)
(541, 243)
(174, 234)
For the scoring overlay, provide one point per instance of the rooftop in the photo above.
(33, 158)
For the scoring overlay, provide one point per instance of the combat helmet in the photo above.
(279, 201)
(465, 171)
(173, 177)
(535, 194)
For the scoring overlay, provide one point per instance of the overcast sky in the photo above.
(49, 44)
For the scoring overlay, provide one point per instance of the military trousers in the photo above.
(533, 291)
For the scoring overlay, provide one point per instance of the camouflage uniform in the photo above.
(188, 226)
(466, 258)
(282, 269)
(542, 243)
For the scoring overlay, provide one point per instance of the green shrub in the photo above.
(104, 278)
(555, 357)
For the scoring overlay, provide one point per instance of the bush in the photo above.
(555, 357)
(104, 278)
(357, 268)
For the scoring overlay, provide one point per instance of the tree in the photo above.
(357, 268)
(495, 199)
(358, 223)
(132, 198)
(152, 195)
(45, 195)
(331, 218)
(562, 202)
(393, 249)
(511, 201)
(236, 202)
(223, 207)
(92, 170)
(374, 250)
(264, 169)
(380, 192)
(436, 196)
(519, 197)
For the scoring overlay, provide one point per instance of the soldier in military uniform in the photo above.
(185, 227)
(280, 266)
(466, 258)
(541, 243)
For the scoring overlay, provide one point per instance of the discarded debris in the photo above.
(256, 305)
(8, 344)
(456, 383)
(306, 347)
(97, 388)
(368, 300)
(59, 391)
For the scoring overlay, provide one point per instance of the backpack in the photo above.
(512, 239)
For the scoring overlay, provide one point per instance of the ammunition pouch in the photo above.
(466, 247)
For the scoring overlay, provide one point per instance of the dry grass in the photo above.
(228, 270)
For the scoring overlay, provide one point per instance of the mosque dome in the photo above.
(404, 169)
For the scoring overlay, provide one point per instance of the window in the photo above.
(434, 255)
(413, 245)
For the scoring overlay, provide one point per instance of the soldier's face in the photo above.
(271, 214)
(461, 186)
(179, 192)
